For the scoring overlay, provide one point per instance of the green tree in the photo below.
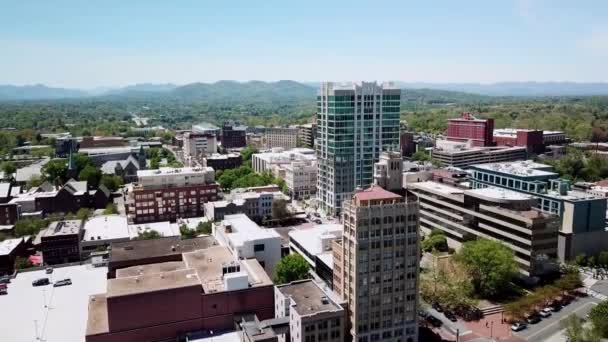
(84, 214)
(247, 152)
(149, 234)
(436, 241)
(204, 228)
(29, 227)
(490, 264)
(279, 209)
(110, 209)
(55, 170)
(91, 175)
(581, 259)
(291, 268)
(576, 332)
(186, 232)
(602, 258)
(33, 182)
(22, 263)
(8, 168)
(421, 155)
(112, 182)
(599, 317)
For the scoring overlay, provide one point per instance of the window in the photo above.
(258, 247)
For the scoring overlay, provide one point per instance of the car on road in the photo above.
(41, 282)
(519, 326)
(533, 319)
(63, 282)
(544, 313)
(318, 221)
(423, 314)
(450, 315)
(437, 307)
(3, 289)
(5, 280)
(48, 270)
(555, 307)
(434, 321)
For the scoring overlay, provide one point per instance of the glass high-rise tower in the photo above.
(355, 122)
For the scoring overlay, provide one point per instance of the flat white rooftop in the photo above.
(526, 168)
(164, 228)
(243, 229)
(168, 171)
(7, 246)
(64, 318)
(310, 239)
(440, 188)
(493, 193)
(107, 227)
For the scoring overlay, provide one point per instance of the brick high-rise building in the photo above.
(467, 127)
(376, 265)
(233, 136)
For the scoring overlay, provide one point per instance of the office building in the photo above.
(306, 134)
(60, 242)
(582, 214)
(257, 205)
(301, 178)
(469, 128)
(233, 136)
(407, 143)
(531, 139)
(167, 194)
(314, 315)
(247, 240)
(492, 213)
(284, 137)
(355, 122)
(462, 154)
(376, 265)
(206, 127)
(223, 161)
(198, 145)
(208, 289)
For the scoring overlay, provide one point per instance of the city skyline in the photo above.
(115, 44)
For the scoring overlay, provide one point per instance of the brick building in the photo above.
(469, 128)
(233, 136)
(207, 290)
(531, 139)
(60, 242)
(223, 161)
(10, 249)
(170, 193)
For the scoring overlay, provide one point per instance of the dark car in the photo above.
(423, 314)
(437, 307)
(434, 321)
(41, 282)
(555, 307)
(533, 319)
(63, 282)
(5, 280)
(450, 315)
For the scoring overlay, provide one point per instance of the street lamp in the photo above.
(491, 329)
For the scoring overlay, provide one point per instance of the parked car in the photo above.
(555, 307)
(49, 270)
(5, 280)
(434, 321)
(450, 315)
(3, 289)
(544, 313)
(41, 282)
(317, 221)
(437, 307)
(63, 282)
(518, 326)
(533, 319)
(423, 314)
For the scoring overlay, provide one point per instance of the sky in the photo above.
(109, 43)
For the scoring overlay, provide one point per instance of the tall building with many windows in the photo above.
(376, 265)
(355, 122)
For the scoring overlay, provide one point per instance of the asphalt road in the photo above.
(550, 326)
(448, 326)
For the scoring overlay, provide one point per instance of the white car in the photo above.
(546, 312)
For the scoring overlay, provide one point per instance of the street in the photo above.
(548, 329)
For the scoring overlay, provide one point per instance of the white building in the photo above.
(198, 145)
(281, 137)
(279, 158)
(247, 240)
(301, 178)
(175, 177)
(101, 231)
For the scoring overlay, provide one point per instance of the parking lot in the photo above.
(52, 314)
(550, 326)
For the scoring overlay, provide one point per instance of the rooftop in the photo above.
(244, 229)
(526, 168)
(308, 298)
(107, 227)
(138, 270)
(126, 286)
(57, 228)
(311, 239)
(217, 156)
(144, 249)
(499, 194)
(8, 245)
(438, 188)
(5, 190)
(163, 228)
(375, 193)
(167, 171)
(24, 174)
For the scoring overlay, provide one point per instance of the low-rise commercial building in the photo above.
(257, 205)
(315, 245)
(493, 213)
(306, 134)
(301, 178)
(314, 315)
(223, 161)
(278, 158)
(462, 154)
(60, 242)
(247, 240)
(101, 231)
(10, 250)
(170, 193)
(582, 214)
(207, 290)
(198, 145)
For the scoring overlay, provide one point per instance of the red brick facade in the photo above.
(478, 131)
(531, 139)
(169, 204)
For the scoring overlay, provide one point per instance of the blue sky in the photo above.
(112, 43)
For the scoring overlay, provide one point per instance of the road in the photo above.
(549, 328)
(448, 326)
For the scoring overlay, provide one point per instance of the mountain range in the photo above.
(228, 90)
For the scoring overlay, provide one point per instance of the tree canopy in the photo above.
(290, 268)
(599, 317)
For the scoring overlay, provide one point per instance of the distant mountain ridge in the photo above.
(291, 90)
